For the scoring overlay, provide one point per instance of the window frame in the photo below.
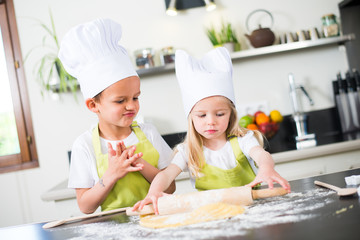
(27, 158)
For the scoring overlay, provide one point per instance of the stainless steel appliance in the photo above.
(350, 21)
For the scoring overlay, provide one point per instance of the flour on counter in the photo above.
(293, 207)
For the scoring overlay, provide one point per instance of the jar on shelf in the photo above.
(167, 55)
(329, 25)
(144, 58)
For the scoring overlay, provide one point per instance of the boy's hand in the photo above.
(150, 198)
(122, 160)
(269, 175)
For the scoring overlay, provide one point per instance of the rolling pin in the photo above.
(180, 203)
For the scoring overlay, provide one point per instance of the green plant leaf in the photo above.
(50, 65)
(226, 34)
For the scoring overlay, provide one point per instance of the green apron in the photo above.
(133, 187)
(215, 178)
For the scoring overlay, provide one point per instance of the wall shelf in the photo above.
(256, 52)
(156, 70)
(261, 52)
(291, 46)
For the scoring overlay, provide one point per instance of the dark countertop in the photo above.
(334, 218)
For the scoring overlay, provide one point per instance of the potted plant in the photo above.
(50, 66)
(226, 37)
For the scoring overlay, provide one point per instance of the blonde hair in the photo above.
(194, 141)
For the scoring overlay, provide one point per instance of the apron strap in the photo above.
(96, 140)
(235, 147)
(139, 134)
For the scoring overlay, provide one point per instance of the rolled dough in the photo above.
(210, 212)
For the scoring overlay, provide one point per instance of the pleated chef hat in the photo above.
(210, 76)
(91, 53)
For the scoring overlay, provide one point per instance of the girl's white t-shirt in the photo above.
(83, 171)
(223, 158)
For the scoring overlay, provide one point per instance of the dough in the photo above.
(210, 212)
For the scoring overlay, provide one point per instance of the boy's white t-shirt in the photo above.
(223, 158)
(83, 171)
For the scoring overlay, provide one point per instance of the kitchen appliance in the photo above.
(260, 37)
(350, 21)
(357, 91)
(352, 95)
(303, 138)
(345, 101)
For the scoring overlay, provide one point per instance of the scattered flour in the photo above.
(293, 207)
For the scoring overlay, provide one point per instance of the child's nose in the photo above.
(211, 120)
(130, 105)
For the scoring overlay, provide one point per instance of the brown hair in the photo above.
(97, 97)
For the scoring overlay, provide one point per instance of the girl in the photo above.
(217, 152)
(103, 171)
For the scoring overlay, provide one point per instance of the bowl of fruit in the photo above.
(268, 125)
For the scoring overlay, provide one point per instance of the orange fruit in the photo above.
(252, 126)
(262, 118)
(257, 113)
(276, 116)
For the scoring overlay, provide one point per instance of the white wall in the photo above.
(58, 123)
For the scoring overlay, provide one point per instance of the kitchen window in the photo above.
(17, 143)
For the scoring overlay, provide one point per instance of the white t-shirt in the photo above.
(223, 158)
(83, 171)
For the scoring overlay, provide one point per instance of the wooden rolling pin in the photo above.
(180, 203)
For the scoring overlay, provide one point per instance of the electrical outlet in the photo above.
(253, 107)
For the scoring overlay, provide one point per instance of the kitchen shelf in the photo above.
(156, 70)
(261, 52)
(291, 46)
(251, 53)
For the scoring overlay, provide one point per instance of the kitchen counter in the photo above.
(321, 214)
(322, 150)
(334, 152)
(61, 192)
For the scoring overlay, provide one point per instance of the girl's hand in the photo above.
(150, 198)
(269, 175)
(122, 160)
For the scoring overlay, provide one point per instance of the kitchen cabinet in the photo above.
(319, 160)
(256, 52)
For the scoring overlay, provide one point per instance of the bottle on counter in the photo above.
(342, 104)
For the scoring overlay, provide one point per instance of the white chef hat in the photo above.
(91, 53)
(210, 76)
